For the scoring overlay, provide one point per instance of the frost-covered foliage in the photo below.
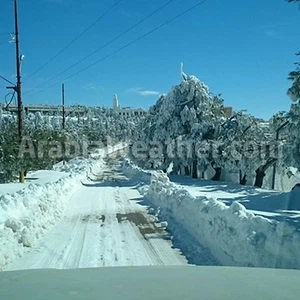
(11, 158)
(189, 109)
(95, 124)
(294, 90)
(188, 113)
(289, 135)
(190, 122)
(94, 129)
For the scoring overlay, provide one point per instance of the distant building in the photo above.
(50, 109)
(126, 111)
(80, 110)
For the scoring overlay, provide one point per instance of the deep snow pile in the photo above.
(234, 235)
(135, 173)
(26, 214)
(41, 177)
(75, 166)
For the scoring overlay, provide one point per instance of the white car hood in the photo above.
(143, 283)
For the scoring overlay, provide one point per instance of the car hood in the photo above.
(145, 283)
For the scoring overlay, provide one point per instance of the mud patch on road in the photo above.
(85, 218)
(144, 225)
(93, 218)
(108, 176)
(102, 218)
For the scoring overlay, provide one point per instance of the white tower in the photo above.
(181, 70)
(115, 102)
(183, 76)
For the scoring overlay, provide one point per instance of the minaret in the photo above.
(183, 76)
(115, 102)
(181, 71)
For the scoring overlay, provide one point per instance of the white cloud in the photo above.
(275, 34)
(92, 87)
(267, 26)
(142, 92)
(149, 93)
(273, 31)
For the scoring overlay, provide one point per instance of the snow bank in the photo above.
(234, 235)
(41, 177)
(26, 214)
(74, 166)
(136, 173)
(109, 149)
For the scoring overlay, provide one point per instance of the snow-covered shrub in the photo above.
(43, 132)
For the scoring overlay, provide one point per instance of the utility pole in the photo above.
(18, 87)
(64, 117)
(18, 64)
(63, 106)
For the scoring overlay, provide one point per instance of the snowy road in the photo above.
(104, 225)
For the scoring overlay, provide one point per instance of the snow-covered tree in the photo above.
(94, 128)
(190, 120)
(187, 114)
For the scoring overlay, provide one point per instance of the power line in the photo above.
(11, 99)
(74, 40)
(105, 45)
(127, 45)
(6, 80)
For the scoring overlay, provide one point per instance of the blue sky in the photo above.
(242, 49)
